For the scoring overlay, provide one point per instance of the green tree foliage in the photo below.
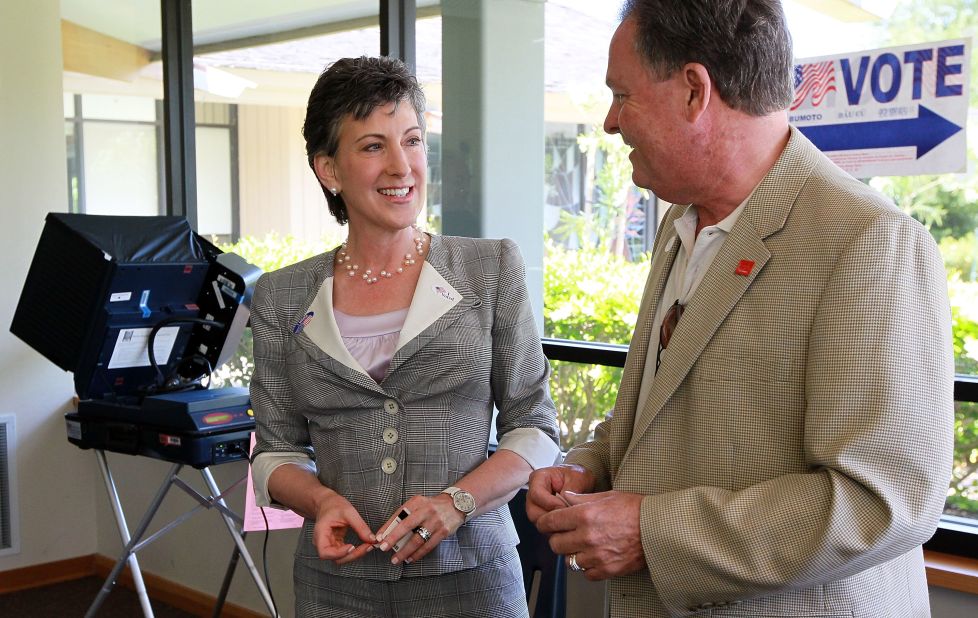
(589, 295)
(592, 293)
(962, 496)
(947, 204)
(273, 251)
(603, 221)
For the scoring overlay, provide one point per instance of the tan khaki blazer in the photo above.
(796, 445)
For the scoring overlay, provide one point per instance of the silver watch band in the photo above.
(468, 513)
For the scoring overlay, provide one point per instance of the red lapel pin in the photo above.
(745, 267)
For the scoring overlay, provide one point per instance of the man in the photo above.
(781, 442)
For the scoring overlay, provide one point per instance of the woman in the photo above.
(377, 367)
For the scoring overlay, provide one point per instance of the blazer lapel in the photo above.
(323, 331)
(626, 405)
(439, 299)
(727, 279)
(315, 330)
(433, 298)
(717, 294)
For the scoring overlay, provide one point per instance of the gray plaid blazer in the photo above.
(469, 341)
(795, 447)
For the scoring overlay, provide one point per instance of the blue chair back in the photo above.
(536, 557)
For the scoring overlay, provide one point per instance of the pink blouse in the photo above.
(371, 339)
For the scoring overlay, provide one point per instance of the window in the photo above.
(266, 58)
(516, 98)
(112, 155)
(112, 125)
(115, 167)
(216, 138)
(944, 204)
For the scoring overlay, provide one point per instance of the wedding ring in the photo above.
(572, 563)
(423, 533)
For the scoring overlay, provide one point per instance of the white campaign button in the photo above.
(388, 465)
(391, 406)
(390, 435)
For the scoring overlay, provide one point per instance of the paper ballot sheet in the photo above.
(132, 347)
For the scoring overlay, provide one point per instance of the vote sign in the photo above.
(898, 111)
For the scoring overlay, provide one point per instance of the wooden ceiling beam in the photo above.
(92, 53)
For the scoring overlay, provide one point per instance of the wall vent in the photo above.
(9, 533)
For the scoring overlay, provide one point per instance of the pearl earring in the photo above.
(334, 191)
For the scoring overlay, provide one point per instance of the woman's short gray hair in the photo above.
(744, 45)
(354, 87)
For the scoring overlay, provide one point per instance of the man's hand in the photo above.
(602, 532)
(546, 485)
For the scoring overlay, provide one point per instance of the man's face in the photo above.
(649, 115)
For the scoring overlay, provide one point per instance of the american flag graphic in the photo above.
(816, 79)
(304, 322)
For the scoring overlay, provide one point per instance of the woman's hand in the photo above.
(547, 487)
(334, 516)
(436, 514)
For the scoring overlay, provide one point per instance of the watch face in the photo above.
(464, 501)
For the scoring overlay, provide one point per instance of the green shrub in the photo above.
(962, 495)
(273, 252)
(589, 295)
(960, 256)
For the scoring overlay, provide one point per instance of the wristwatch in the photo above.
(463, 501)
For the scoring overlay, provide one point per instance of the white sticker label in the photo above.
(132, 347)
(74, 430)
(217, 293)
(120, 297)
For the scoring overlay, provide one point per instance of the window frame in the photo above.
(397, 35)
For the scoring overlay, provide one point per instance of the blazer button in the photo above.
(391, 406)
(388, 465)
(390, 435)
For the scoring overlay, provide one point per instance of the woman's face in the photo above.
(379, 168)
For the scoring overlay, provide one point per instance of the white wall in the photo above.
(55, 479)
(278, 191)
(63, 511)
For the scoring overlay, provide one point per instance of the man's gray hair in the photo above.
(744, 45)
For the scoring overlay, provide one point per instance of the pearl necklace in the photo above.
(352, 270)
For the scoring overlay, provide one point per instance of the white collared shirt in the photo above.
(693, 259)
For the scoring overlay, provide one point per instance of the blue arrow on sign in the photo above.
(926, 132)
